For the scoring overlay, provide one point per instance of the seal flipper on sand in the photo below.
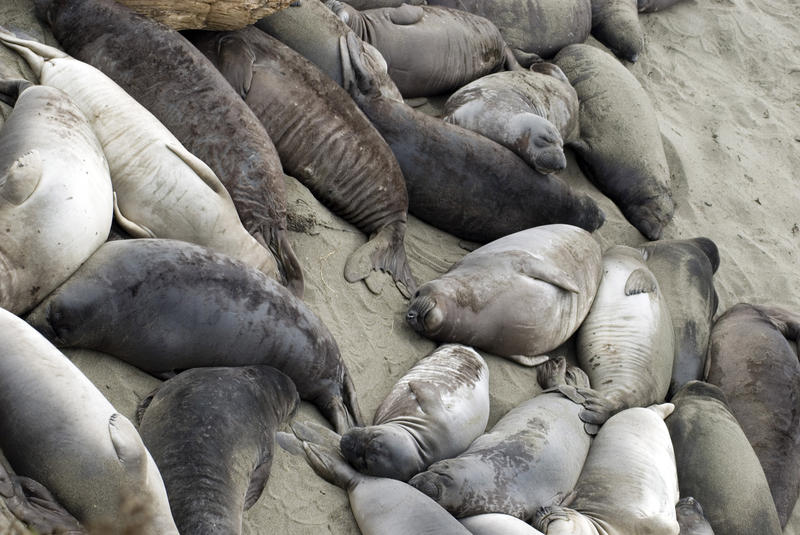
(383, 251)
(572, 383)
(316, 434)
(258, 481)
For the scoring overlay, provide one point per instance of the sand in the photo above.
(724, 79)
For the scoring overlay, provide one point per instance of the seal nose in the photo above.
(425, 485)
(352, 448)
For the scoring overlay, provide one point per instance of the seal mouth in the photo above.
(417, 311)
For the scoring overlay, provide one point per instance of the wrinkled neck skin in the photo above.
(411, 437)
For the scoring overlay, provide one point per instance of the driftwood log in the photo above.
(206, 14)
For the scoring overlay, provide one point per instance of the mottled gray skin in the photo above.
(164, 305)
(716, 464)
(531, 458)
(432, 413)
(428, 50)
(752, 358)
(211, 478)
(193, 100)
(323, 139)
(541, 27)
(457, 180)
(684, 270)
(518, 297)
(533, 113)
(620, 148)
(649, 6)
(615, 23)
(691, 518)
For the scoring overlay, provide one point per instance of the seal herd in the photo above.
(665, 421)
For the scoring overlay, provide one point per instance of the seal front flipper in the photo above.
(406, 14)
(236, 60)
(536, 267)
(22, 178)
(258, 480)
(384, 251)
(128, 445)
(134, 229)
(200, 168)
(329, 465)
(596, 407)
(640, 281)
(290, 443)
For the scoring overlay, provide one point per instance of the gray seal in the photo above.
(753, 360)
(691, 518)
(432, 413)
(615, 23)
(534, 113)
(164, 305)
(184, 90)
(212, 478)
(716, 464)
(518, 297)
(620, 148)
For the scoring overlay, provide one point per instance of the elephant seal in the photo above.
(190, 307)
(620, 148)
(752, 359)
(540, 27)
(212, 479)
(429, 50)
(432, 413)
(691, 518)
(650, 6)
(309, 118)
(615, 23)
(517, 297)
(457, 180)
(533, 113)
(158, 184)
(497, 524)
(375, 4)
(616, 498)
(531, 458)
(716, 464)
(184, 91)
(56, 201)
(626, 343)
(684, 270)
(58, 429)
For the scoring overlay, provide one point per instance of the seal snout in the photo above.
(352, 446)
(426, 484)
(417, 312)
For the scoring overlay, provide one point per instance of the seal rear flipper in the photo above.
(552, 373)
(134, 229)
(384, 251)
(200, 168)
(290, 443)
(596, 407)
(316, 434)
(343, 410)
(288, 262)
(406, 14)
(22, 178)
(640, 281)
(236, 60)
(10, 90)
(330, 466)
(258, 480)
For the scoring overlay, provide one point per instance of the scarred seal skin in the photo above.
(58, 429)
(518, 297)
(193, 100)
(56, 201)
(165, 305)
(212, 478)
(620, 148)
(716, 464)
(615, 23)
(432, 413)
(457, 180)
(691, 518)
(753, 360)
(323, 139)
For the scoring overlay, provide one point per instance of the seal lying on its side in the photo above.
(323, 139)
(518, 297)
(432, 413)
(211, 479)
(691, 518)
(58, 429)
(457, 180)
(164, 305)
(56, 201)
(531, 112)
(753, 360)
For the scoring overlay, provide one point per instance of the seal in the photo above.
(685, 270)
(650, 6)
(375, 4)
(432, 413)
(620, 148)
(615, 23)
(518, 297)
(753, 360)
(637, 496)
(190, 307)
(145, 161)
(309, 118)
(540, 27)
(531, 458)
(457, 180)
(56, 201)
(496, 523)
(626, 344)
(187, 94)
(212, 478)
(58, 429)
(533, 113)
(716, 464)
(429, 50)
(691, 518)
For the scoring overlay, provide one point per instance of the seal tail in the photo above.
(34, 52)
(384, 251)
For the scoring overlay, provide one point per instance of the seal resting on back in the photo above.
(457, 180)
(518, 296)
(323, 139)
(164, 305)
(193, 100)
(752, 358)
(620, 147)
